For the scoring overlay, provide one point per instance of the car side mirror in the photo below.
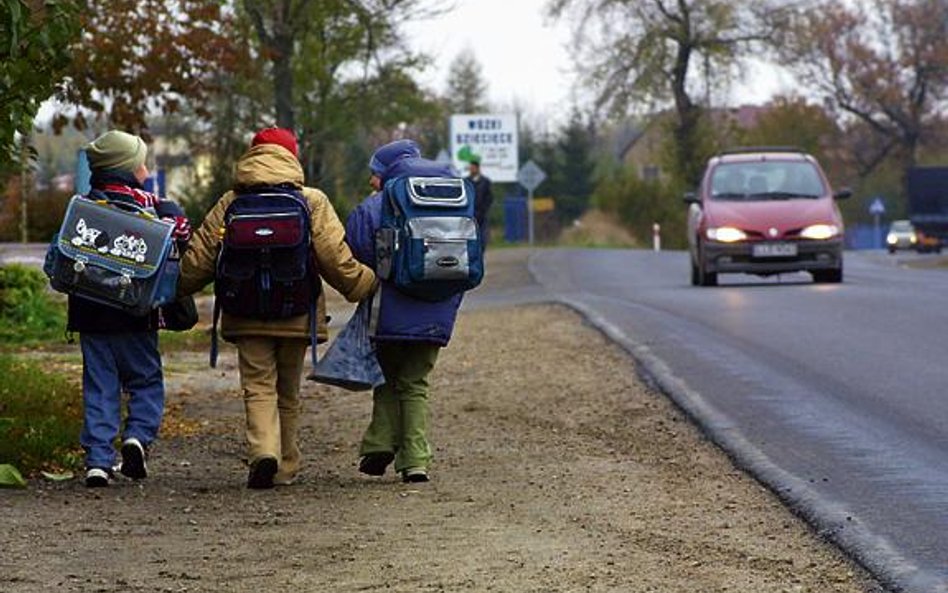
(691, 198)
(843, 194)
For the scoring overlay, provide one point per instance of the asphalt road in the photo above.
(835, 395)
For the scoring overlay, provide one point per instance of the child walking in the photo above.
(120, 350)
(408, 337)
(271, 346)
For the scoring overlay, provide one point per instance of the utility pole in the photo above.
(24, 189)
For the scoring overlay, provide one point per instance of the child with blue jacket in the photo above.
(408, 336)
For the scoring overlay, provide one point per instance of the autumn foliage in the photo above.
(141, 56)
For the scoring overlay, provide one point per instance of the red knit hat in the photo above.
(279, 136)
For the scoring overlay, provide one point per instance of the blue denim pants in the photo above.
(113, 364)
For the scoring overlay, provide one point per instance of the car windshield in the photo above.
(766, 180)
(902, 226)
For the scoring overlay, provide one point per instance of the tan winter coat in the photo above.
(268, 164)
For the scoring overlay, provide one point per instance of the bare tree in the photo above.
(278, 24)
(883, 63)
(649, 53)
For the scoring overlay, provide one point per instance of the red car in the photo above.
(765, 211)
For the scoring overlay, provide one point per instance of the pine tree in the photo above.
(467, 89)
(574, 170)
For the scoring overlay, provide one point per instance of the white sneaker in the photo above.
(96, 477)
(133, 459)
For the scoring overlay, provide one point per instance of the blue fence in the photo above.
(516, 224)
(863, 236)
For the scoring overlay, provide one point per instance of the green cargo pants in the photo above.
(400, 407)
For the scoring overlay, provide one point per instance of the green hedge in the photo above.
(40, 417)
(29, 313)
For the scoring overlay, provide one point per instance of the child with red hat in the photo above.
(271, 352)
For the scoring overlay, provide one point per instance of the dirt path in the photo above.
(556, 470)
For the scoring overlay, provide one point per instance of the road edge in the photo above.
(830, 520)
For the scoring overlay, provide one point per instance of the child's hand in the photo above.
(182, 227)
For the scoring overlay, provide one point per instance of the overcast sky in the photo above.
(526, 57)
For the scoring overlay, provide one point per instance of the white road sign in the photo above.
(489, 138)
(531, 175)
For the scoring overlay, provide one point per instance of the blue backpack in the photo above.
(429, 244)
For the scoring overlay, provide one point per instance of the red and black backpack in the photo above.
(266, 267)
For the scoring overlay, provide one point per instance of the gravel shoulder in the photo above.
(556, 469)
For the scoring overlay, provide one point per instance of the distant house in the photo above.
(643, 151)
(172, 157)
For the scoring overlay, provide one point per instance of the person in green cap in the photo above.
(120, 350)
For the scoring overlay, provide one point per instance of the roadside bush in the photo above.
(639, 204)
(40, 417)
(28, 312)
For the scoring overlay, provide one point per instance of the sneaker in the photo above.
(374, 464)
(133, 459)
(96, 477)
(261, 473)
(415, 475)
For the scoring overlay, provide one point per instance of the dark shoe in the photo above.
(96, 477)
(261, 473)
(415, 475)
(374, 464)
(133, 460)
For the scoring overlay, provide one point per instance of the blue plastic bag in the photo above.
(351, 362)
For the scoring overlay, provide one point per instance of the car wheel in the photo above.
(891, 250)
(828, 276)
(709, 278)
(702, 275)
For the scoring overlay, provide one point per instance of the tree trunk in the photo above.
(24, 190)
(686, 149)
(283, 78)
(278, 42)
(909, 159)
(689, 114)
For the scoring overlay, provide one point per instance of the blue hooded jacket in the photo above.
(401, 317)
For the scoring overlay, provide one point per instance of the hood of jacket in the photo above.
(268, 164)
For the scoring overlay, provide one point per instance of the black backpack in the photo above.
(266, 267)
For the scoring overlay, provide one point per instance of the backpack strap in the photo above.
(214, 338)
(313, 325)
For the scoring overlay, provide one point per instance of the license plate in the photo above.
(775, 250)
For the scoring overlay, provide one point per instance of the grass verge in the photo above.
(196, 339)
(29, 314)
(40, 417)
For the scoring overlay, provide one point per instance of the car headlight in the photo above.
(913, 238)
(726, 234)
(820, 232)
(891, 239)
